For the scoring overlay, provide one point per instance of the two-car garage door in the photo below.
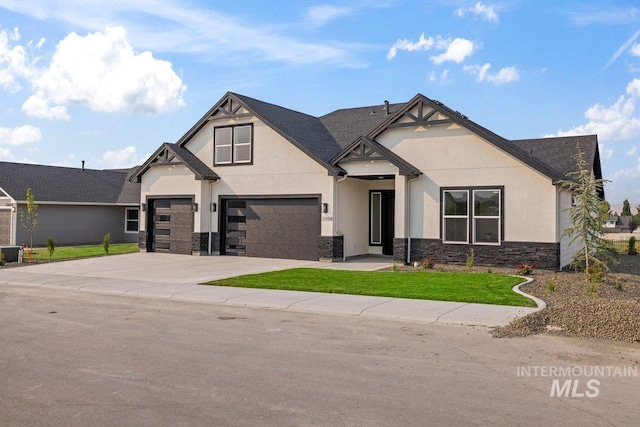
(271, 228)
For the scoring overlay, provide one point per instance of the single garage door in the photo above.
(271, 228)
(172, 225)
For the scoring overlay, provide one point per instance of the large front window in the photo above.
(233, 144)
(472, 216)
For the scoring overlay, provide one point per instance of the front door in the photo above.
(382, 218)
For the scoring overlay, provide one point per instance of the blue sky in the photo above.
(108, 82)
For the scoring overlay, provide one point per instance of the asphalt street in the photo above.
(72, 358)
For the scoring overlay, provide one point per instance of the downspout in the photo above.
(211, 184)
(336, 229)
(407, 222)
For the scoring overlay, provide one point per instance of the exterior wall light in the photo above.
(325, 207)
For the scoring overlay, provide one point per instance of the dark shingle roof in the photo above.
(305, 131)
(349, 124)
(68, 185)
(324, 138)
(559, 152)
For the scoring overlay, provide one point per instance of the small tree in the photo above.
(587, 229)
(29, 218)
(626, 208)
(106, 242)
(632, 246)
(51, 247)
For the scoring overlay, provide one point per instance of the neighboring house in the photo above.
(618, 224)
(409, 180)
(75, 205)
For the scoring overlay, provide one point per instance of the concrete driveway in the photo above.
(170, 268)
(177, 277)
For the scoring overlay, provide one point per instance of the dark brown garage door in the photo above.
(272, 228)
(172, 225)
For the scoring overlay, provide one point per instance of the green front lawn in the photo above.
(73, 252)
(483, 288)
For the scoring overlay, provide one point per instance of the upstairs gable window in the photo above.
(233, 145)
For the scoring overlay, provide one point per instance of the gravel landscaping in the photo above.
(612, 312)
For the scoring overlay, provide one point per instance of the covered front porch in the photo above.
(372, 201)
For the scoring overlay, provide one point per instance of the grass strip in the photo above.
(85, 251)
(482, 288)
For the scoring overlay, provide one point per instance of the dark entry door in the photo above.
(171, 225)
(388, 220)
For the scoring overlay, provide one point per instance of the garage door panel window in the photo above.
(233, 145)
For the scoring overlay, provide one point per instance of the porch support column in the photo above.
(400, 226)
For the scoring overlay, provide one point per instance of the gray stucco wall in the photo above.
(77, 225)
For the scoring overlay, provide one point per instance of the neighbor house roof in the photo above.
(68, 185)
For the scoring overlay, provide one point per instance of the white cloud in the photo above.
(35, 106)
(317, 16)
(103, 71)
(123, 158)
(503, 76)
(6, 155)
(605, 153)
(635, 49)
(20, 135)
(455, 50)
(487, 13)
(632, 172)
(632, 151)
(404, 44)
(614, 122)
(182, 27)
(442, 79)
(621, 49)
(15, 63)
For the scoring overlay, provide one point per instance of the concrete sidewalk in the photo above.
(176, 277)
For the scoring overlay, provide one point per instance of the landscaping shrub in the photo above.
(428, 263)
(525, 269)
(471, 258)
(632, 246)
(51, 247)
(106, 242)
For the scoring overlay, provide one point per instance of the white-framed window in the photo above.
(472, 216)
(486, 217)
(375, 219)
(233, 144)
(455, 214)
(131, 220)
